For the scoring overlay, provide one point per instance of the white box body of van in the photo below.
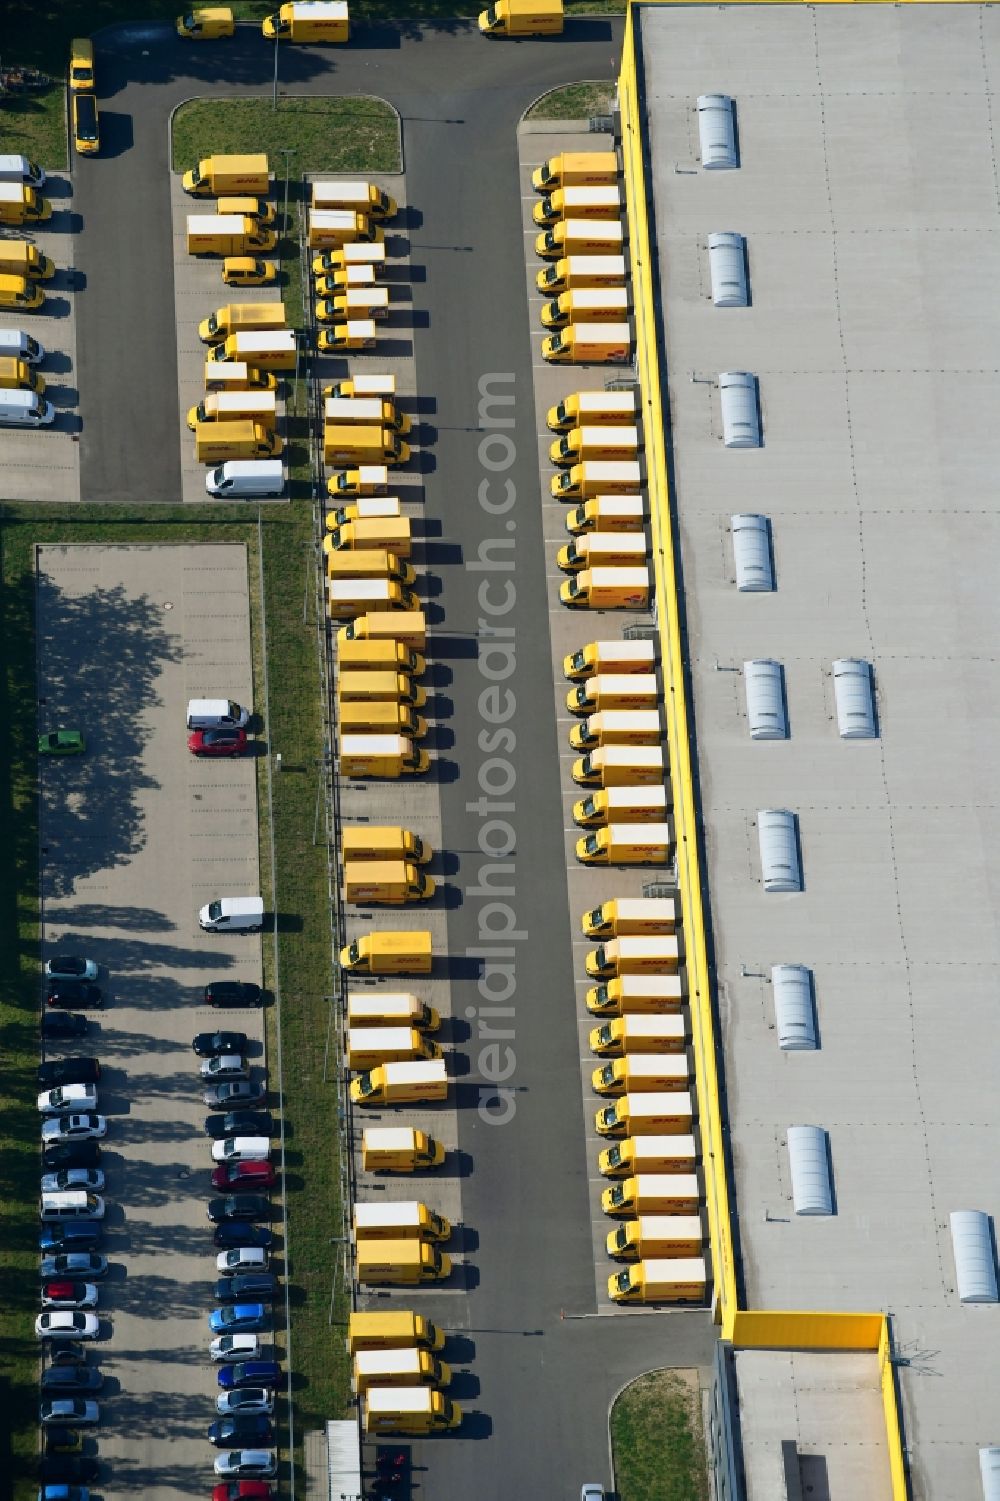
(233, 914)
(216, 714)
(16, 345)
(71, 1204)
(247, 478)
(20, 169)
(25, 409)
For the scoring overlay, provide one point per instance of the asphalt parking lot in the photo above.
(135, 836)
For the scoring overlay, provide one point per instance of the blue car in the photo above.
(81, 1236)
(64, 1493)
(242, 1318)
(248, 1373)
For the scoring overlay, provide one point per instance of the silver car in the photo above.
(68, 1097)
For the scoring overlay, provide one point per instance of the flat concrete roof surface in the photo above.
(867, 190)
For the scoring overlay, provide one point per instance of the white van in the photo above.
(25, 409)
(233, 914)
(247, 479)
(216, 714)
(21, 169)
(72, 1204)
(16, 345)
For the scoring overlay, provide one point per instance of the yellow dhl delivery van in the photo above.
(362, 386)
(607, 589)
(635, 993)
(249, 317)
(399, 1368)
(589, 344)
(381, 756)
(383, 842)
(353, 302)
(586, 305)
(648, 1154)
(613, 690)
(660, 1281)
(399, 1149)
(610, 656)
(389, 952)
(620, 766)
(391, 1329)
(81, 63)
(347, 443)
(596, 550)
(414, 1409)
(227, 235)
(652, 1193)
(666, 1235)
(232, 406)
(18, 258)
(608, 513)
(627, 844)
(308, 21)
(402, 1083)
(267, 349)
(596, 477)
(17, 375)
(362, 197)
(572, 169)
(594, 441)
(575, 271)
(217, 176)
(356, 656)
(396, 686)
(392, 533)
(400, 1263)
(20, 204)
(409, 627)
(617, 727)
(647, 1114)
(623, 1035)
(393, 882)
(368, 563)
(634, 954)
(366, 479)
(379, 411)
(633, 914)
(20, 293)
(351, 597)
(642, 1073)
(380, 717)
(622, 805)
(370, 1047)
(603, 408)
(365, 508)
(356, 253)
(236, 375)
(390, 1008)
(206, 23)
(580, 237)
(522, 18)
(356, 333)
(581, 201)
(408, 1219)
(215, 442)
(332, 228)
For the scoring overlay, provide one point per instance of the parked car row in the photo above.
(71, 1270)
(240, 1130)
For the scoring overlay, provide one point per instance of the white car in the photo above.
(67, 1324)
(241, 1149)
(246, 1399)
(73, 1128)
(592, 1492)
(225, 1066)
(247, 1464)
(68, 1097)
(235, 1347)
(73, 1411)
(71, 968)
(90, 1179)
(241, 1259)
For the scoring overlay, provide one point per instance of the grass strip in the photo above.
(657, 1441)
(322, 135)
(577, 101)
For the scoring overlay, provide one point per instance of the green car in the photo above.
(62, 743)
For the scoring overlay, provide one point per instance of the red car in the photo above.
(237, 1175)
(228, 742)
(242, 1490)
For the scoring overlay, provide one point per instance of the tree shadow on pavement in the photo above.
(99, 656)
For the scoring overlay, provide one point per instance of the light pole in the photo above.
(277, 37)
